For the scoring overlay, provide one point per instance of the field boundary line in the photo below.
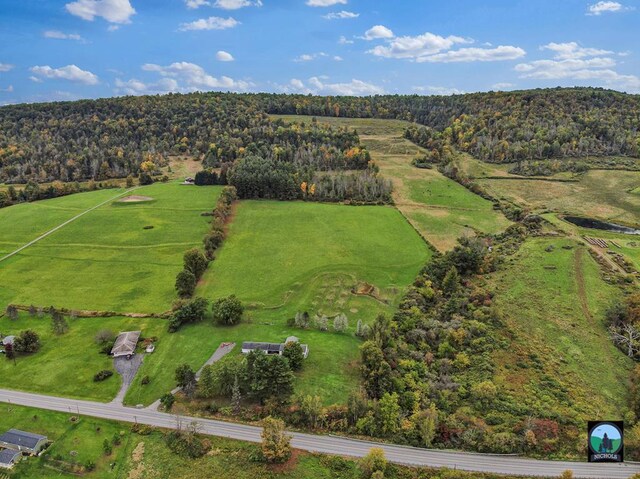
(60, 226)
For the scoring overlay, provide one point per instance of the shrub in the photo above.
(186, 444)
(167, 401)
(374, 461)
(145, 380)
(294, 353)
(276, 444)
(185, 283)
(27, 342)
(102, 375)
(227, 311)
(195, 262)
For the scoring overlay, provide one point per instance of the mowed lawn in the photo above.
(559, 353)
(105, 260)
(438, 207)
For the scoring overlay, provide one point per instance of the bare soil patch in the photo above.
(135, 199)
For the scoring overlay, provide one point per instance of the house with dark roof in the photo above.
(21, 441)
(8, 458)
(125, 344)
(273, 348)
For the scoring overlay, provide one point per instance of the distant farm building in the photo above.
(24, 442)
(125, 344)
(8, 458)
(273, 348)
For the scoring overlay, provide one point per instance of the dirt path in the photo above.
(582, 291)
(60, 226)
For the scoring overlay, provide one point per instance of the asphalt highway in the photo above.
(497, 464)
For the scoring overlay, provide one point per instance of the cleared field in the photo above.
(280, 258)
(439, 208)
(560, 358)
(604, 194)
(107, 259)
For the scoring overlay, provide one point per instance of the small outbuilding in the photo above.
(125, 344)
(8, 458)
(24, 442)
(8, 340)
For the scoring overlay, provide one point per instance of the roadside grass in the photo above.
(105, 260)
(438, 207)
(560, 357)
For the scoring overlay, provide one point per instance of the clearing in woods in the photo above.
(438, 207)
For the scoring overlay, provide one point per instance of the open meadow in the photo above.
(438, 207)
(119, 257)
(560, 357)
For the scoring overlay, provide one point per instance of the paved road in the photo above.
(331, 444)
(53, 230)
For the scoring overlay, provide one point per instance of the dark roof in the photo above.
(7, 456)
(21, 438)
(272, 347)
(125, 343)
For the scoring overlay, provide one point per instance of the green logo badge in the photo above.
(606, 441)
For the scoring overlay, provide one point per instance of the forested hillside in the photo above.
(100, 139)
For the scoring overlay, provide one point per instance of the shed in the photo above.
(267, 348)
(8, 458)
(22, 441)
(125, 344)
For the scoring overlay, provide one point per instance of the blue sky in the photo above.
(69, 49)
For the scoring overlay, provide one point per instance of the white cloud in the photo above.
(9, 89)
(572, 50)
(342, 15)
(211, 23)
(338, 58)
(438, 90)
(344, 41)
(35, 79)
(70, 72)
(320, 86)
(499, 53)
(378, 31)
(192, 77)
(573, 62)
(113, 28)
(113, 11)
(236, 4)
(223, 56)
(606, 7)
(5, 67)
(325, 3)
(502, 86)
(418, 46)
(137, 87)
(61, 35)
(196, 3)
(307, 57)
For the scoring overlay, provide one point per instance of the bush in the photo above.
(195, 262)
(192, 311)
(276, 444)
(374, 461)
(294, 353)
(227, 311)
(185, 444)
(167, 401)
(185, 283)
(102, 375)
(145, 380)
(27, 342)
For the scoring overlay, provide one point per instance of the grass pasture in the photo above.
(560, 357)
(104, 260)
(439, 208)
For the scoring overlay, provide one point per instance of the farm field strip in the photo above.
(438, 207)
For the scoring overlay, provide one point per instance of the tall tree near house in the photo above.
(186, 379)
(185, 283)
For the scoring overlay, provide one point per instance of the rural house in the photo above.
(25, 442)
(125, 344)
(273, 348)
(8, 458)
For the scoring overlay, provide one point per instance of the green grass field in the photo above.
(560, 357)
(439, 208)
(280, 258)
(105, 260)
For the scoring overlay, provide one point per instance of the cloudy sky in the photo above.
(69, 49)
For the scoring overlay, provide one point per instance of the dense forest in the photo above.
(108, 138)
